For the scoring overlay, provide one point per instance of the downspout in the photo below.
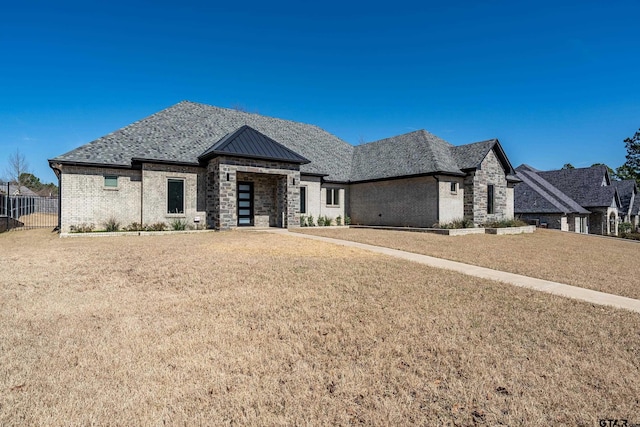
(141, 196)
(6, 204)
(58, 173)
(437, 198)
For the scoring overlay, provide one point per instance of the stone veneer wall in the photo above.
(475, 192)
(266, 210)
(599, 221)
(222, 179)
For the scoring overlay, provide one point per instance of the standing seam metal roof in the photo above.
(248, 142)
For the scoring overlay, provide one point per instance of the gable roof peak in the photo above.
(248, 142)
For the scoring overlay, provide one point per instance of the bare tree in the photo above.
(18, 167)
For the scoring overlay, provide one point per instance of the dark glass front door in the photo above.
(245, 203)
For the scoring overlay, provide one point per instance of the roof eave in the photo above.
(416, 175)
(140, 160)
(88, 164)
(213, 154)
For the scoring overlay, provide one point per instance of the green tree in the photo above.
(568, 166)
(631, 168)
(30, 181)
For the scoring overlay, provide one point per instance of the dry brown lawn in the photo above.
(39, 219)
(603, 264)
(262, 329)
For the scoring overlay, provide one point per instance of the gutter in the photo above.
(417, 175)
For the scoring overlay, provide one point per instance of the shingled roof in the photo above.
(186, 130)
(414, 153)
(635, 210)
(563, 191)
(188, 133)
(590, 187)
(536, 195)
(627, 189)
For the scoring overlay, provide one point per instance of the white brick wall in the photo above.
(155, 186)
(85, 199)
(451, 203)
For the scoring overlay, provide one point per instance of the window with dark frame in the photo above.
(111, 181)
(454, 187)
(303, 199)
(333, 196)
(490, 199)
(175, 196)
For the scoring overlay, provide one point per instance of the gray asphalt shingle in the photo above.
(626, 190)
(563, 191)
(584, 185)
(414, 153)
(184, 132)
(536, 195)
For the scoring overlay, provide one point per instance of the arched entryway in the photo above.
(613, 224)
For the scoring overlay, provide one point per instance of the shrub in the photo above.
(624, 228)
(347, 220)
(327, 221)
(111, 225)
(456, 223)
(320, 221)
(339, 220)
(631, 236)
(310, 221)
(135, 226)
(303, 220)
(82, 228)
(504, 223)
(179, 224)
(158, 226)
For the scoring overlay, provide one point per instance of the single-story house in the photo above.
(223, 168)
(581, 200)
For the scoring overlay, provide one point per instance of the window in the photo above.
(490, 199)
(175, 196)
(454, 187)
(333, 196)
(303, 199)
(111, 181)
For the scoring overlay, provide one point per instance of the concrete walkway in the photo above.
(555, 288)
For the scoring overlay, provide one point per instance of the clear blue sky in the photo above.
(555, 81)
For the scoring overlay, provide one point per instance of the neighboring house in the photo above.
(224, 168)
(581, 200)
(628, 192)
(635, 217)
(16, 190)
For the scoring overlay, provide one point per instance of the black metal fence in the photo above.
(20, 212)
